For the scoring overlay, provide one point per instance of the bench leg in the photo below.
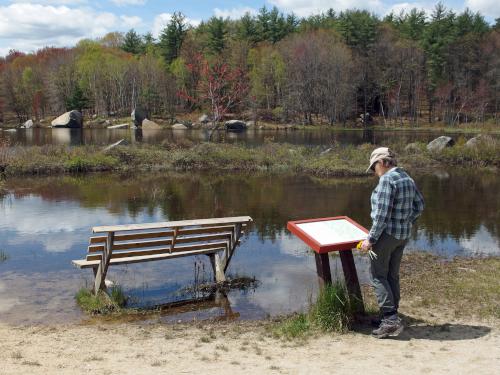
(217, 267)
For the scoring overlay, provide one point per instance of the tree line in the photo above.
(326, 68)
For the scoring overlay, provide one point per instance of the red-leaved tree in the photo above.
(221, 87)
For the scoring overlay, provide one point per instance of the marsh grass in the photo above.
(102, 303)
(341, 160)
(333, 311)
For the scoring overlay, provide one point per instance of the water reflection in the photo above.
(45, 223)
(324, 137)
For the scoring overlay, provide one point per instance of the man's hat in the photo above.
(381, 153)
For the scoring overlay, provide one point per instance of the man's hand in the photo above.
(366, 245)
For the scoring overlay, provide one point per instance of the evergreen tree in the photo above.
(172, 36)
(77, 100)
(359, 29)
(217, 30)
(132, 43)
(247, 29)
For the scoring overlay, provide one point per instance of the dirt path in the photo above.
(244, 348)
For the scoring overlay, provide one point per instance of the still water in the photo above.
(46, 222)
(58, 136)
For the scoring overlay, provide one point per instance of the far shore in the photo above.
(190, 121)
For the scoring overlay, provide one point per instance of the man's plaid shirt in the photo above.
(396, 204)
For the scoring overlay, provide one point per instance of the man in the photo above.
(396, 203)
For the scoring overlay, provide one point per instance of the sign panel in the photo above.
(329, 234)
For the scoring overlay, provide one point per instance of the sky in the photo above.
(29, 25)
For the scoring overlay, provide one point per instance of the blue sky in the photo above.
(29, 25)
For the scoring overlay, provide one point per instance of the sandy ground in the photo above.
(244, 348)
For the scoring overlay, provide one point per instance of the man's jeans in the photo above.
(385, 272)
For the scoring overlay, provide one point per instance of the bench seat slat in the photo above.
(164, 242)
(81, 263)
(173, 224)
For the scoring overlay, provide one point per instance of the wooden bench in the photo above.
(135, 243)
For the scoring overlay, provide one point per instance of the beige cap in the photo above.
(380, 153)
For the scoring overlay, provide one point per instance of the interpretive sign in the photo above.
(328, 234)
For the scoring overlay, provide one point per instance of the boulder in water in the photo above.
(28, 124)
(440, 143)
(71, 119)
(235, 125)
(138, 116)
(149, 125)
(179, 127)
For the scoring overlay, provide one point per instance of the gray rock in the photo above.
(481, 139)
(121, 142)
(204, 119)
(138, 116)
(235, 125)
(149, 125)
(412, 148)
(440, 143)
(179, 127)
(71, 119)
(119, 126)
(328, 150)
(28, 124)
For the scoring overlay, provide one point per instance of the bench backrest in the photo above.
(143, 241)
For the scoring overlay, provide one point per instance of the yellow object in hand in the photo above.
(371, 254)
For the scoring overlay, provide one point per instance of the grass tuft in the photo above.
(332, 312)
(101, 303)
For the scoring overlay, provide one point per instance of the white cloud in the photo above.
(406, 7)
(490, 8)
(121, 3)
(307, 7)
(131, 21)
(162, 20)
(28, 27)
(53, 2)
(234, 13)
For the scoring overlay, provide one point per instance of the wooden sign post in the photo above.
(328, 234)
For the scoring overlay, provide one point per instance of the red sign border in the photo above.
(315, 245)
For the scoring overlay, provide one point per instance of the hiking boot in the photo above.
(388, 327)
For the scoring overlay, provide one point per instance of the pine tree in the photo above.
(172, 36)
(217, 31)
(132, 43)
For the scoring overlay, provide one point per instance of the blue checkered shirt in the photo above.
(396, 204)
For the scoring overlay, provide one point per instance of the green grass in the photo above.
(332, 312)
(460, 287)
(102, 303)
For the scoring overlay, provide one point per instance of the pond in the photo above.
(319, 137)
(45, 223)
